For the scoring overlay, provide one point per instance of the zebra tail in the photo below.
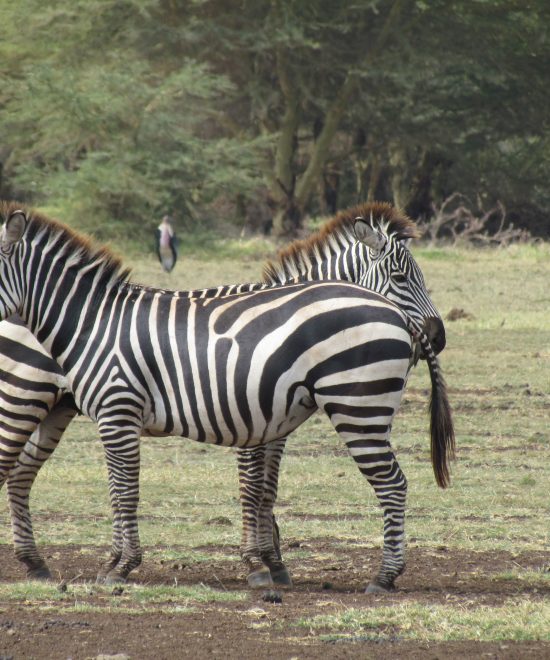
(442, 432)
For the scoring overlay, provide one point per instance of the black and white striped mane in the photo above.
(79, 248)
(293, 260)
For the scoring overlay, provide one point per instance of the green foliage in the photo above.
(129, 109)
(117, 132)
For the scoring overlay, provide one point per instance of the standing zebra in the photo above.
(367, 244)
(398, 230)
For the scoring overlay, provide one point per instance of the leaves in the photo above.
(134, 107)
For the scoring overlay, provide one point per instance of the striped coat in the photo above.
(129, 316)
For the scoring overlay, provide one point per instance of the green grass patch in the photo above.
(132, 598)
(511, 621)
(537, 579)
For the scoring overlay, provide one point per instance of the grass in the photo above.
(512, 621)
(133, 599)
(497, 366)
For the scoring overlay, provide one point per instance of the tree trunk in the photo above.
(288, 220)
(374, 177)
(304, 188)
(285, 176)
(399, 175)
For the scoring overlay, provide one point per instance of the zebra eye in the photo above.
(400, 278)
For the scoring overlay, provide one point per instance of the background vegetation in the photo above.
(114, 112)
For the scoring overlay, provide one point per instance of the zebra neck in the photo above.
(63, 301)
(334, 259)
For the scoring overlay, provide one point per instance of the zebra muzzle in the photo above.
(435, 331)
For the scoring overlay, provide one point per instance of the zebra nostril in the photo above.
(435, 330)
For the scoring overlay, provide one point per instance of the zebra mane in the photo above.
(292, 260)
(79, 248)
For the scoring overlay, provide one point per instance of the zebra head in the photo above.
(11, 286)
(391, 270)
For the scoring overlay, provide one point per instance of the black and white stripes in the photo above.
(243, 369)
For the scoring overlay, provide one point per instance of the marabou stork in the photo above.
(167, 245)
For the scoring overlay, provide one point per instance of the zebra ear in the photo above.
(14, 228)
(367, 235)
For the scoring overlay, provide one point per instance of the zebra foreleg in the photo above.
(36, 451)
(115, 553)
(251, 464)
(377, 463)
(260, 546)
(122, 454)
(268, 533)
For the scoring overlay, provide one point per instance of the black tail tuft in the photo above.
(442, 432)
(441, 428)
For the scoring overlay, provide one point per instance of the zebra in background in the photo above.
(227, 376)
(35, 410)
(331, 253)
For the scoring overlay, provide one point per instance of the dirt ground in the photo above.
(238, 630)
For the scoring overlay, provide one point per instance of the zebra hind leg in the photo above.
(11, 446)
(36, 451)
(268, 534)
(19, 484)
(376, 461)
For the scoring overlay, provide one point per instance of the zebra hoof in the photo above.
(281, 577)
(260, 579)
(39, 573)
(377, 588)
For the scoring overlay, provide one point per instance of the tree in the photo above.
(109, 122)
(300, 66)
(145, 105)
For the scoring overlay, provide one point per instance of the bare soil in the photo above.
(254, 628)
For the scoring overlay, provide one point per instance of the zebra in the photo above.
(367, 244)
(35, 410)
(220, 290)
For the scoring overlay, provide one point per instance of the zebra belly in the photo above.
(262, 430)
